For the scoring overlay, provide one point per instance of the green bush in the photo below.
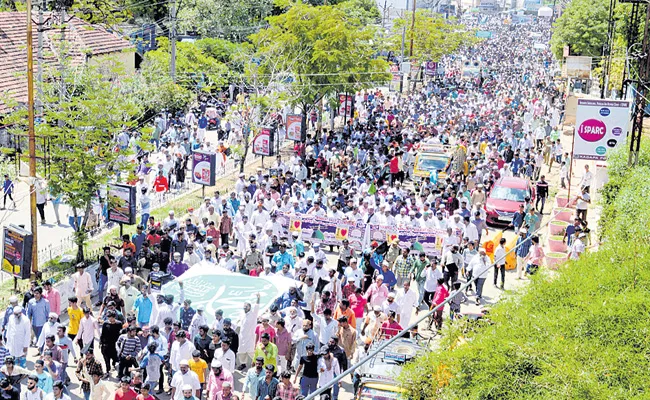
(581, 335)
(624, 183)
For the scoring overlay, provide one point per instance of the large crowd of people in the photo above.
(502, 122)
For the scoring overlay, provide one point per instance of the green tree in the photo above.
(232, 20)
(366, 11)
(196, 69)
(583, 27)
(433, 36)
(155, 91)
(319, 51)
(81, 129)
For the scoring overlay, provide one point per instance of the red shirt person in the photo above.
(160, 184)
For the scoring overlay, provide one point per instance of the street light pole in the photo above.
(172, 38)
(32, 137)
(401, 62)
(412, 30)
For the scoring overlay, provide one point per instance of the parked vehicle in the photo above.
(505, 197)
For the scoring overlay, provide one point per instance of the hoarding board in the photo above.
(121, 203)
(204, 168)
(601, 126)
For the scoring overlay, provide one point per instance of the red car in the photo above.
(505, 197)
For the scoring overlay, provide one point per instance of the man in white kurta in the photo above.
(407, 300)
(19, 335)
(247, 323)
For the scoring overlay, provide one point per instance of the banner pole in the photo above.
(573, 143)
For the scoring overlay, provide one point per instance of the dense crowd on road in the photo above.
(501, 123)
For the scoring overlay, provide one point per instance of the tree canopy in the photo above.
(197, 65)
(583, 26)
(232, 20)
(320, 50)
(433, 35)
(81, 126)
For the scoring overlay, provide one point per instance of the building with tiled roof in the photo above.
(85, 43)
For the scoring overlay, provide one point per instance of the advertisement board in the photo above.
(394, 69)
(262, 143)
(601, 125)
(431, 68)
(294, 127)
(17, 251)
(532, 5)
(204, 168)
(415, 70)
(121, 203)
(577, 67)
(345, 104)
(484, 34)
(488, 4)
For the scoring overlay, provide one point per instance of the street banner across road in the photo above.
(427, 240)
(323, 230)
(331, 231)
(601, 126)
(215, 289)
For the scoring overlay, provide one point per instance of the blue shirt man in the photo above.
(518, 218)
(517, 163)
(281, 258)
(38, 311)
(524, 241)
(187, 313)
(143, 307)
(203, 122)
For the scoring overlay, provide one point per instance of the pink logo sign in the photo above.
(592, 130)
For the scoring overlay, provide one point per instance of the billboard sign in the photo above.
(294, 127)
(484, 34)
(601, 126)
(17, 251)
(262, 143)
(121, 203)
(577, 67)
(345, 105)
(394, 69)
(431, 68)
(532, 5)
(204, 167)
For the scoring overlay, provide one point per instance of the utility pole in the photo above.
(607, 50)
(39, 56)
(172, 40)
(401, 63)
(641, 94)
(32, 137)
(412, 29)
(62, 50)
